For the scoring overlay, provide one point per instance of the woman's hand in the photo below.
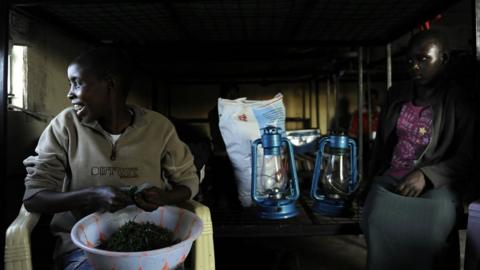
(413, 184)
(109, 198)
(150, 198)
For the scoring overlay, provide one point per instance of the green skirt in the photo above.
(410, 233)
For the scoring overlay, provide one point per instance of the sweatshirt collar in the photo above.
(139, 119)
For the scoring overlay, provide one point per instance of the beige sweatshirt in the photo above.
(73, 155)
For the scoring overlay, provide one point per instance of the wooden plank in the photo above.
(245, 223)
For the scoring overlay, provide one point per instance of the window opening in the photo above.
(17, 77)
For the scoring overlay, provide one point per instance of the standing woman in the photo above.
(420, 162)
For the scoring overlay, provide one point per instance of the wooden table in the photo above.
(245, 223)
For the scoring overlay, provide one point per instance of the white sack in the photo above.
(240, 121)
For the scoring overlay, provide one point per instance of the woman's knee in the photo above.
(75, 260)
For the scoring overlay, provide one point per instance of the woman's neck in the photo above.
(424, 93)
(119, 119)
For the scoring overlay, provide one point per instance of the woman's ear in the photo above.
(445, 58)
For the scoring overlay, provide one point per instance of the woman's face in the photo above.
(88, 93)
(426, 61)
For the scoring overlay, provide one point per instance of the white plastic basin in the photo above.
(88, 232)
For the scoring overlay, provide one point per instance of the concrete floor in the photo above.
(305, 253)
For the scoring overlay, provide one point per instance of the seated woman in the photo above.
(99, 145)
(419, 164)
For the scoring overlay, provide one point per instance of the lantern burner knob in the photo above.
(275, 193)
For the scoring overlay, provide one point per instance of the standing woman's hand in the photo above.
(109, 198)
(413, 184)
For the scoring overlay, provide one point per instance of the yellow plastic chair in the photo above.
(18, 250)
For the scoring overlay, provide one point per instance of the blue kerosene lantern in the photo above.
(275, 184)
(335, 175)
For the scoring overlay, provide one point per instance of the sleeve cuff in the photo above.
(192, 184)
(436, 180)
(29, 193)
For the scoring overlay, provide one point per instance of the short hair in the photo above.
(429, 36)
(108, 61)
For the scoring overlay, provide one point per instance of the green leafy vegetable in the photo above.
(132, 237)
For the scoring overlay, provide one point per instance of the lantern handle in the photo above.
(317, 170)
(293, 169)
(353, 165)
(353, 171)
(254, 170)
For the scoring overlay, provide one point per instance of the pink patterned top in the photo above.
(414, 130)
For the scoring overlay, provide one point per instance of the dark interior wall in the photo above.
(194, 101)
(141, 93)
(187, 100)
(49, 52)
